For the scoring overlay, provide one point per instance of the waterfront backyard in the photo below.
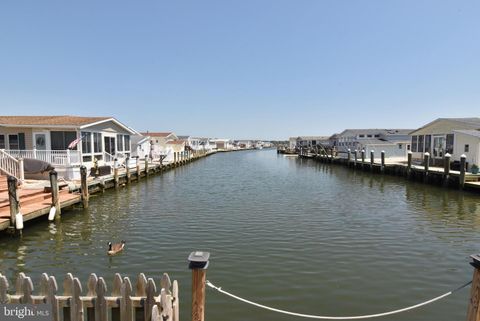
(286, 232)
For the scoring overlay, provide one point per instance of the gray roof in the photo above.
(313, 137)
(475, 133)
(469, 122)
(375, 131)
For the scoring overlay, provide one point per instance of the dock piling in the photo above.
(13, 199)
(461, 179)
(349, 157)
(138, 169)
(446, 169)
(355, 158)
(473, 312)
(115, 173)
(84, 186)
(409, 164)
(198, 263)
(372, 159)
(426, 164)
(127, 169)
(363, 158)
(54, 190)
(382, 156)
(146, 166)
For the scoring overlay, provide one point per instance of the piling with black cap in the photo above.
(473, 313)
(198, 263)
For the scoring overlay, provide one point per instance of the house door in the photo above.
(438, 146)
(40, 141)
(109, 145)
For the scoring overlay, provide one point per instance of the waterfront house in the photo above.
(394, 142)
(141, 146)
(175, 146)
(223, 144)
(66, 142)
(292, 142)
(455, 136)
(245, 144)
(191, 142)
(158, 144)
(311, 142)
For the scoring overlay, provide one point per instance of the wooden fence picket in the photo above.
(95, 305)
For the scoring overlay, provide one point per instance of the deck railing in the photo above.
(54, 157)
(11, 166)
(124, 303)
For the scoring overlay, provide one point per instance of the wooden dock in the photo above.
(36, 201)
(442, 176)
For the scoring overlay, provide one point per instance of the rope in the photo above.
(310, 316)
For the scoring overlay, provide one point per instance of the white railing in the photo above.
(11, 166)
(108, 158)
(54, 157)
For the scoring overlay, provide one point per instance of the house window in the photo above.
(420, 143)
(13, 142)
(414, 143)
(467, 148)
(377, 136)
(428, 143)
(399, 146)
(60, 139)
(127, 143)
(97, 143)
(2, 141)
(449, 144)
(408, 146)
(361, 136)
(120, 143)
(370, 136)
(86, 143)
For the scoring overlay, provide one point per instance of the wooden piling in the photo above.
(426, 164)
(54, 191)
(461, 178)
(446, 169)
(84, 186)
(372, 159)
(127, 169)
(355, 158)
(198, 263)
(473, 311)
(363, 157)
(13, 199)
(175, 158)
(115, 173)
(138, 169)
(409, 163)
(349, 157)
(146, 166)
(382, 156)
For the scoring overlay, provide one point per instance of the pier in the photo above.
(442, 176)
(35, 199)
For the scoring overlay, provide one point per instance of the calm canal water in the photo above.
(289, 233)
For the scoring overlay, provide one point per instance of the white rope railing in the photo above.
(322, 317)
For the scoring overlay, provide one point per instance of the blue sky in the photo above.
(243, 68)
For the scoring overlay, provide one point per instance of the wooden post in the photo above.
(363, 157)
(84, 186)
(22, 171)
(54, 191)
(409, 163)
(115, 173)
(13, 199)
(426, 161)
(461, 178)
(372, 159)
(382, 156)
(349, 157)
(446, 169)
(138, 169)
(174, 158)
(473, 312)
(331, 155)
(127, 168)
(198, 263)
(146, 166)
(355, 158)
